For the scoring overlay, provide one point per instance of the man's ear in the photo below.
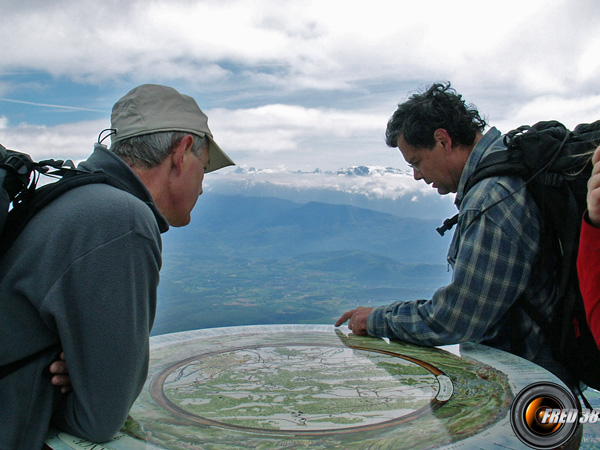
(442, 136)
(180, 151)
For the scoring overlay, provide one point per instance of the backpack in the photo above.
(556, 166)
(20, 200)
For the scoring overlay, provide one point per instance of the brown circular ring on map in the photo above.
(175, 372)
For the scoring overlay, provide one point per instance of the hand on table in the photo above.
(358, 320)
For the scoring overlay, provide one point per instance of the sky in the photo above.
(291, 85)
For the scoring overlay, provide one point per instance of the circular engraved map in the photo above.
(306, 389)
(319, 387)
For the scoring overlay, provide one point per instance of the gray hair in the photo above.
(149, 150)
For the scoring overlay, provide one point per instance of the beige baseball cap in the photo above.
(152, 108)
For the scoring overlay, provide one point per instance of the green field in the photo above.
(311, 288)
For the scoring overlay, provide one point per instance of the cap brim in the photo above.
(217, 158)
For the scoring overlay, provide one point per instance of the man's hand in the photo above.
(358, 320)
(60, 375)
(593, 196)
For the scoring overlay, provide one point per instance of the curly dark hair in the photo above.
(440, 106)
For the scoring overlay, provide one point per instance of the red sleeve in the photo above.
(588, 269)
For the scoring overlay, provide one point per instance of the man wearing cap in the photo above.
(81, 279)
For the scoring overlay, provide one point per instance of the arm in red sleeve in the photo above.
(588, 269)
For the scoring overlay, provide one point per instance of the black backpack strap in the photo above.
(498, 163)
(5, 200)
(71, 178)
(495, 164)
(7, 369)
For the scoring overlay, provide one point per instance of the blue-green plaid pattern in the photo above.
(493, 256)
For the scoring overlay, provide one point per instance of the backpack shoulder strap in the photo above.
(16, 365)
(24, 212)
(498, 163)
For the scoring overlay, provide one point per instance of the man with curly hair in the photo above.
(494, 251)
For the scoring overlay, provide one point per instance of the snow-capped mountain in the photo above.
(365, 171)
(386, 189)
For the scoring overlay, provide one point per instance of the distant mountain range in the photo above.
(353, 171)
(257, 260)
(266, 227)
(384, 189)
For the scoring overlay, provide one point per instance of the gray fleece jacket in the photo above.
(81, 277)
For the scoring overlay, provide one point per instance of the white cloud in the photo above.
(265, 137)
(569, 111)
(293, 123)
(302, 83)
(385, 184)
(299, 137)
(319, 44)
(70, 141)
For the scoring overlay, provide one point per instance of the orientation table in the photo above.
(319, 387)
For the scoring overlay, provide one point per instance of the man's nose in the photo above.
(417, 174)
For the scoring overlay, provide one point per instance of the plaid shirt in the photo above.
(493, 256)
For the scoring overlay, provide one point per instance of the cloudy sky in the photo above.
(291, 84)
